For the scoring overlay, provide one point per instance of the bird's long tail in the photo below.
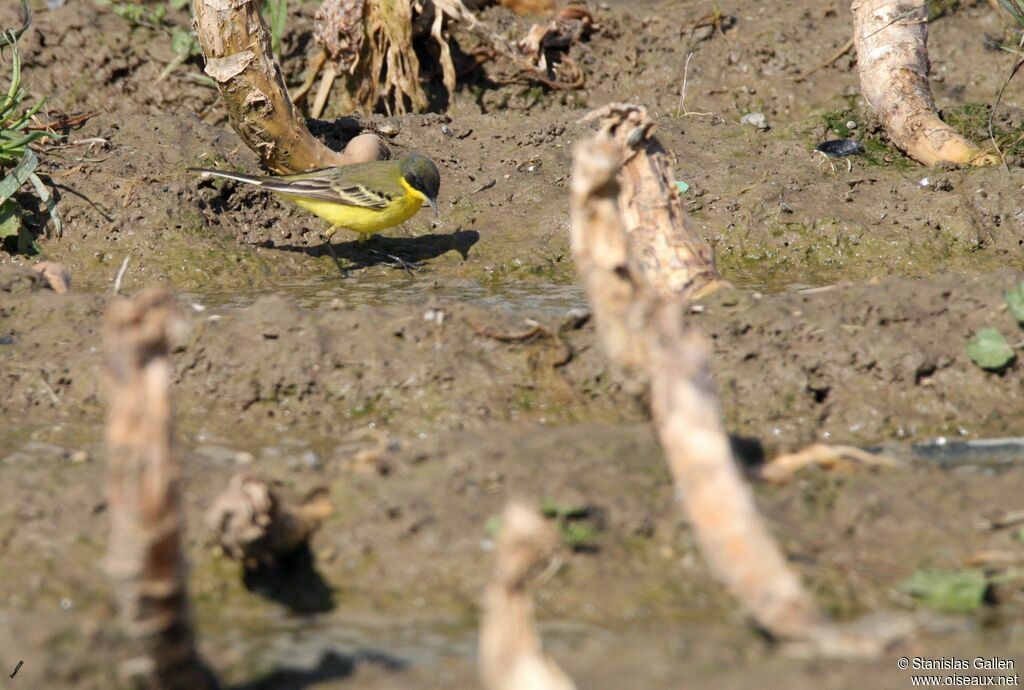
(238, 177)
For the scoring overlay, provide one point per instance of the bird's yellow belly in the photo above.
(362, 220)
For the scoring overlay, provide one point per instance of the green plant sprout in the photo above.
(578, 525)
(988, 348)
(276, 13)
(17, 161)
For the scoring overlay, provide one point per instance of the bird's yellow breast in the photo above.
(361, 219)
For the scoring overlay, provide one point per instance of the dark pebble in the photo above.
(840, 148)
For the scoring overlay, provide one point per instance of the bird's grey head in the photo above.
(421, 174)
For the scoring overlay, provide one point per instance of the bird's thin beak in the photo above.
(433, 205)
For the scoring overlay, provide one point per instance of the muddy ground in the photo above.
(853, 295)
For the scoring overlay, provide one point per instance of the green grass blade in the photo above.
(12, 99)
(17, 177)
(1015, 8)
(23, 120)
(25, 140)
(49, 202)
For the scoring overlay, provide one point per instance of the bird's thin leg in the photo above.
(395, 261)
(337, 261)
(330, 248)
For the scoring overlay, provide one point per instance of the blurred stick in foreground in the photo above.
(511, 657)
(144, 554)
(891, 37)
(641, 260)
(717, 501)
(630, 235)
(236, 43)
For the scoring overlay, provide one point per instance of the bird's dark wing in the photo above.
(366, 185)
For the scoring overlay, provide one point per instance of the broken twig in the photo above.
(511, 656)
(144, 553)
(254, 525)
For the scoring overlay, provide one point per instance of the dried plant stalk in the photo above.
(599, 246)
(630, 234)
(632, 287)
(369, 45)
(713, 494)
(784, 467)
(338, 27)
(253, 524)
(144, 553)
(892, 59)
(236, 44)
(458, 12)
(511, 656)
(662, 244)
(394, 69)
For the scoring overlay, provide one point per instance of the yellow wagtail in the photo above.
(362, 197)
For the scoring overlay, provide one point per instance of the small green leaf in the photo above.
(1015, 301)
(184, 43)
(578, 536)
(989, 350)
(276, 14)
(953, 591)
(10, 219)
(550, 508)
(492, 528)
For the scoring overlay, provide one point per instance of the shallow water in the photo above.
(303, 644)
(528, 297)
(985, 452)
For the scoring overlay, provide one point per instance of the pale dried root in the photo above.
(511, 656)
(599, 247)
(144, 553)
(312, 70)
(892, 59)
(638, 289)
(254, 525)
(717, 501)
(630, 235)
(640, 260)
(783, 467)
(664, 248)
(236, 44)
